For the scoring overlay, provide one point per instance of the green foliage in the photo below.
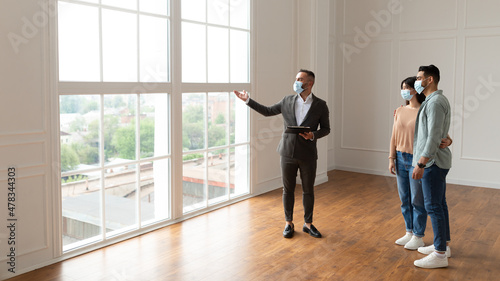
(124, 139)
(110, 127)
(147, 137)
(124, 142)
(220, 119)
(193, 114)
(74, 178)
(88, 106)
(115, 101)
(78, 104)
(216, 136)
(193, 135)
(77, 125)
(69, 158)
(192, 156)
(193, 129)
(86, 154)
(69, 104)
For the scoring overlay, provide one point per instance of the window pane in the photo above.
(218, 12)
(155, 182)
(154, 131)
(238, 120)
(193, 10)
(126, 4)
(239, 170)
(79, 132)
(154, 6)
(239, 56)
(120, 199)
(240, 13)
(119, 33)
(78, 43)
(218, 55)
(217, 119)
(193, 121)
(193, 53)
(154, 49)
(119, 128)
(218, 176)
(194, 182)
(81, 209)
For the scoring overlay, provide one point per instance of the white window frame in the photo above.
(175, 87)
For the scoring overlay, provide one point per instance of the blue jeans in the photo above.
(411, 196)
(434, 189)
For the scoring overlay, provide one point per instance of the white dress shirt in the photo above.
(302, 107)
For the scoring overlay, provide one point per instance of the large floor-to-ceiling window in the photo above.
(215, 50)
(121, 73)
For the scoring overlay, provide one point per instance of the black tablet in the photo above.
(297, 129)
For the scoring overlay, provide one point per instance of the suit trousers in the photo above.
(289, 168)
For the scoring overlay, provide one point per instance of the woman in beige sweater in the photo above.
(400, 160)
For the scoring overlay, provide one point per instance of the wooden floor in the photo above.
(358, 215)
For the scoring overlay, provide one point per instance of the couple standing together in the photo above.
(299, 152)
(421, 159)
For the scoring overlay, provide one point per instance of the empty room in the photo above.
(249, 140)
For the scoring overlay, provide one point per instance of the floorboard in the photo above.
(358, 215)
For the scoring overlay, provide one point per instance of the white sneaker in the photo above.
(414, 243)
(431, 261)
(405, 239)
(430, 249)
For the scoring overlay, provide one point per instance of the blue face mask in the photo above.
(406, 94)
(418, 86)
(297, 87)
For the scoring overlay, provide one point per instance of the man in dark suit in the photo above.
(298, 151)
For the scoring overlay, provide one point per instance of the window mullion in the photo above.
(101, 63)
(137, 158)
(138, 45)
(228, 143)
(206, 152)
(229, 39)
(101, 160)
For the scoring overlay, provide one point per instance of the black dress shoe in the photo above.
(288, 232)
(312, 231)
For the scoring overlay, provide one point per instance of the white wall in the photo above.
(25, 130)
(289, 35)
(379, 43)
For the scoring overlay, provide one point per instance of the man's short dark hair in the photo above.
(431, 70)
(309, 73)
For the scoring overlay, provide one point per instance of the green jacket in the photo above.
(432, 125)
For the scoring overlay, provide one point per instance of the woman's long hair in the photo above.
(410, 82)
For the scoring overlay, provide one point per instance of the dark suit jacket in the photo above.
(293, 145)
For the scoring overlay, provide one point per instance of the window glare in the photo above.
(194, 10)
(153, 49)
(126, 4)
(159, 7)
(119, 32)
(78, 43)
(193, 53)
(239, 13)
(239, 56)
(218, 12)
(218, 58)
